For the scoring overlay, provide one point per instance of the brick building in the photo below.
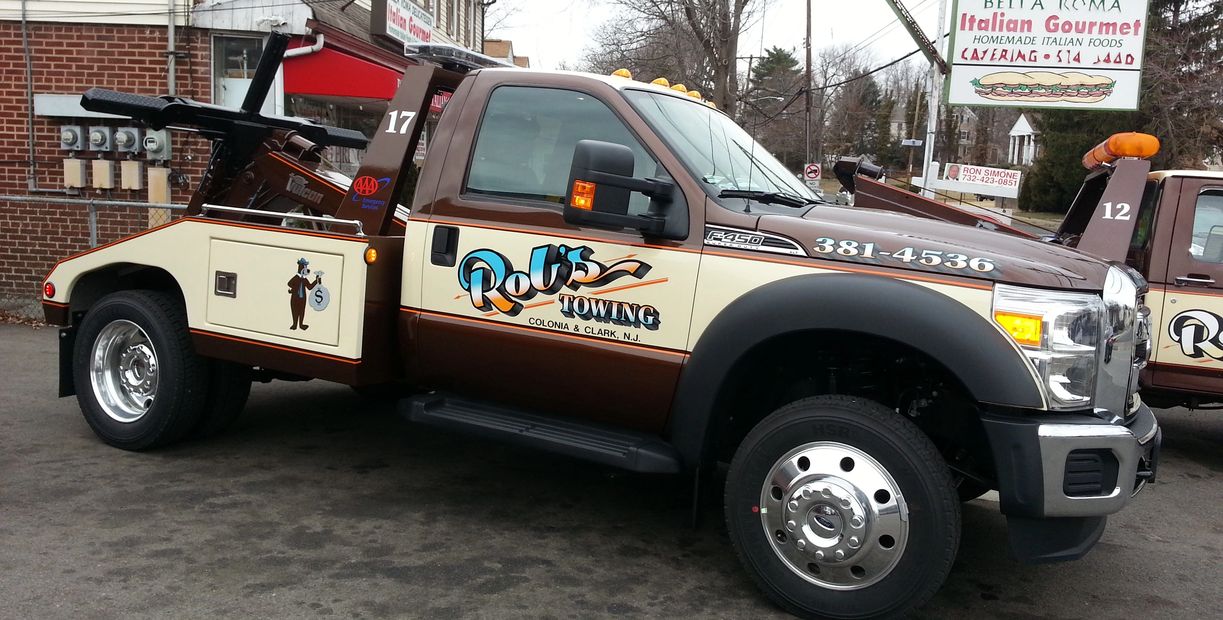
(51, 52)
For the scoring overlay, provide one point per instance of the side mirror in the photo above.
(600, 184)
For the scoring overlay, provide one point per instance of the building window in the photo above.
(363, 115)
(234, 59)
(963, 135)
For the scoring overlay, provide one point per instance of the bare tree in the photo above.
(496, 15)
(689, 37)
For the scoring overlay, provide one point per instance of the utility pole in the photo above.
(807, 90)
(936, 95)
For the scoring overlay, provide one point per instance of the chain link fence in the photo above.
(109, 213)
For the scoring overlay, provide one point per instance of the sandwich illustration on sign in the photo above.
(1044, 86)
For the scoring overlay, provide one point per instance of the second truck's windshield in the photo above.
(714, 148)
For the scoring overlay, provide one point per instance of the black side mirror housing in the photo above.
(600, 184)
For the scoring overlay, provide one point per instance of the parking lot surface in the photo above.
(321, 503)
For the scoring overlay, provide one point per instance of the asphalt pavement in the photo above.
(320, 503)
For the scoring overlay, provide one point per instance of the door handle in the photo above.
(1194, 279)
(445, 246)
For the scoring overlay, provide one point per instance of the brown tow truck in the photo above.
(1167, 225)
(615, 271)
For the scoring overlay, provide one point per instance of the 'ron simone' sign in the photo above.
(982, 180)
(1083, 54)
(400, 20)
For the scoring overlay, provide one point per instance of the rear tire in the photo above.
(139, 382)
(839, 508)
(229, 386)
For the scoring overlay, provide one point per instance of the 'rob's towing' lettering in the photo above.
(493, 285)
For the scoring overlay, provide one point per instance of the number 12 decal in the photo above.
(1122, 212)
(401, 118)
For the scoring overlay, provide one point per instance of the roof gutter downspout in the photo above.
(306, 51)
(171, 53)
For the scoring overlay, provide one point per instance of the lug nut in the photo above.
(854, 542)
(856, 521)
(844, 502)
(801, 544)
(819, 554)
(790, 525)
(807, 493)
(840, 555)
(825, 492)
(793, 505)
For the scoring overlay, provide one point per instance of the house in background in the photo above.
(502, 49)
(1024, 144)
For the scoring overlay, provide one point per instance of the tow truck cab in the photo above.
(1168, 225)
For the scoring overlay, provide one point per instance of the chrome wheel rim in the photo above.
(124, 371)
(834, 515)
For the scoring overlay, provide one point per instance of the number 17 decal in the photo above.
(400, 118)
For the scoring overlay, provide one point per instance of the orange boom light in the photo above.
(1118, 145)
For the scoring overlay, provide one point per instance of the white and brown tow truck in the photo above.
(614, 270)
(1166, 224)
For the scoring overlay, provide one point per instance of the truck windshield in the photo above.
(714, 148)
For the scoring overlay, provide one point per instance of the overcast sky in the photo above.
(556, 31)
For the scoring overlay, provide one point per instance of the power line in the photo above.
(855, 78)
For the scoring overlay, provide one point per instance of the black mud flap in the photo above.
(67, 345)
(1055, 539)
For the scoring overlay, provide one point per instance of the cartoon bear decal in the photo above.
(299, 291)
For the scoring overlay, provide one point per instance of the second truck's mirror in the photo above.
(601, 182)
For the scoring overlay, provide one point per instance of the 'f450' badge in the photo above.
(492, 283)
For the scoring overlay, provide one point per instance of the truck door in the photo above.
(1189, 350)
(520, 308)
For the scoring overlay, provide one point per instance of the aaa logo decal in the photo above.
(492, 283)
(368, 186)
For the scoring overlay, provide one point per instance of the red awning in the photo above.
(331, 72)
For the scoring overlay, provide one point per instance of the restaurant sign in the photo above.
(1080, 54)
(402, 21)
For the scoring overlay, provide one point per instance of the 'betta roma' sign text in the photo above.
(1047, 53)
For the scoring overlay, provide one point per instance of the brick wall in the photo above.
(69, 59)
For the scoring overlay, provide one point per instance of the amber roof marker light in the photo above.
(1118, 145)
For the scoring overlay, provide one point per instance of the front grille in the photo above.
(1090, 473)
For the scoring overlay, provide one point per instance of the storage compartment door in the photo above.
(275, 291)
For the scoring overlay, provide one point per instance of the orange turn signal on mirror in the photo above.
(1118, 145)
(371, 256)
(583, 195)
(1026, 329)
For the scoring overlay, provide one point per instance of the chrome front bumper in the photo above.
(1094, 469)
(1072, 465)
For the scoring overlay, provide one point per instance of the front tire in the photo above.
(840, 508)
(139, 382)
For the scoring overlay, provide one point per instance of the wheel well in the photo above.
(119, 277)
(792, 366)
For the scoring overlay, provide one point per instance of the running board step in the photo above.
(602, 444)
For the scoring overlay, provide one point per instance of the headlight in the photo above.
(1060, 334)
